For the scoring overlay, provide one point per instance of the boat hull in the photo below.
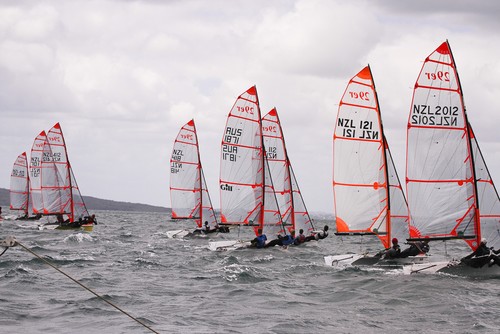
(452, 268)
(177, 234)
(226, 245)
(366, 260)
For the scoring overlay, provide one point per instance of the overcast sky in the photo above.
(122, 77)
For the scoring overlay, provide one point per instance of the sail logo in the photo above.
(270, 128)
(439, 75)
(245, 109)
(187, 137)
(425, 115)
(39, 145)
(226, 187)
(365, 96)
(54, 139)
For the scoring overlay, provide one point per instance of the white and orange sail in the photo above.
(188, 189)
(450, 191)
(291, 204)
(19, 185)
(35, 171)
(246, 188)
(59, 189)
(368, 197)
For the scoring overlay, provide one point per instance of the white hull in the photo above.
(177, 234)
(226, 245)
(365, 260)
(452, 268)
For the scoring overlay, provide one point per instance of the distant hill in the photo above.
(98, 204)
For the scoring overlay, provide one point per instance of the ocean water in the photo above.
(179, 286)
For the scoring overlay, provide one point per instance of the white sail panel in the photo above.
(36, 172)
(242, 167)
(272, 224)
(489, 202)
(439, 167)
(19, 184)
(359, 167)
(399, 222)
(185, 176)
(301, 218)
(276, 155)
(207, 211)
(79, 210)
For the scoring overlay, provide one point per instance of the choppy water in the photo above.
(177, 286)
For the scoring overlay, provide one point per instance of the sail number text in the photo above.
(175, 162)
(231, 139)
(423, 114)
(362, 130)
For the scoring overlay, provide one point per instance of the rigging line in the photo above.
(83, 286)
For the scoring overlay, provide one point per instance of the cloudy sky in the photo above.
(122, 77)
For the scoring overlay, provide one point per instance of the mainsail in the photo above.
(247, 193)
(290, 201)
(188, 190)
(368, 197)
(36, 172)
(450, 191)
(60, 192)
(19, 185)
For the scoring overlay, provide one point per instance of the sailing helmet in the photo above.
(484, 241)
(394, 240)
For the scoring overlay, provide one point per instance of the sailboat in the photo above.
(19, 187)
(247, 193)
(60, 195)
(451, 194)
(368, 197)
(188, 189)
(291, 203)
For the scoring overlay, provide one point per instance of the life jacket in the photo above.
(261, 240)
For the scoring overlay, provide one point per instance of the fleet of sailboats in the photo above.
(451, 194)
(47, 186)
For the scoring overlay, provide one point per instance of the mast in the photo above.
(477, 215)
(384, 157)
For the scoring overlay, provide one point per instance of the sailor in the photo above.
(260, 240)
(317, 235)
(301, 238)
(394, 251)
(418, 247)
(482, 256)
